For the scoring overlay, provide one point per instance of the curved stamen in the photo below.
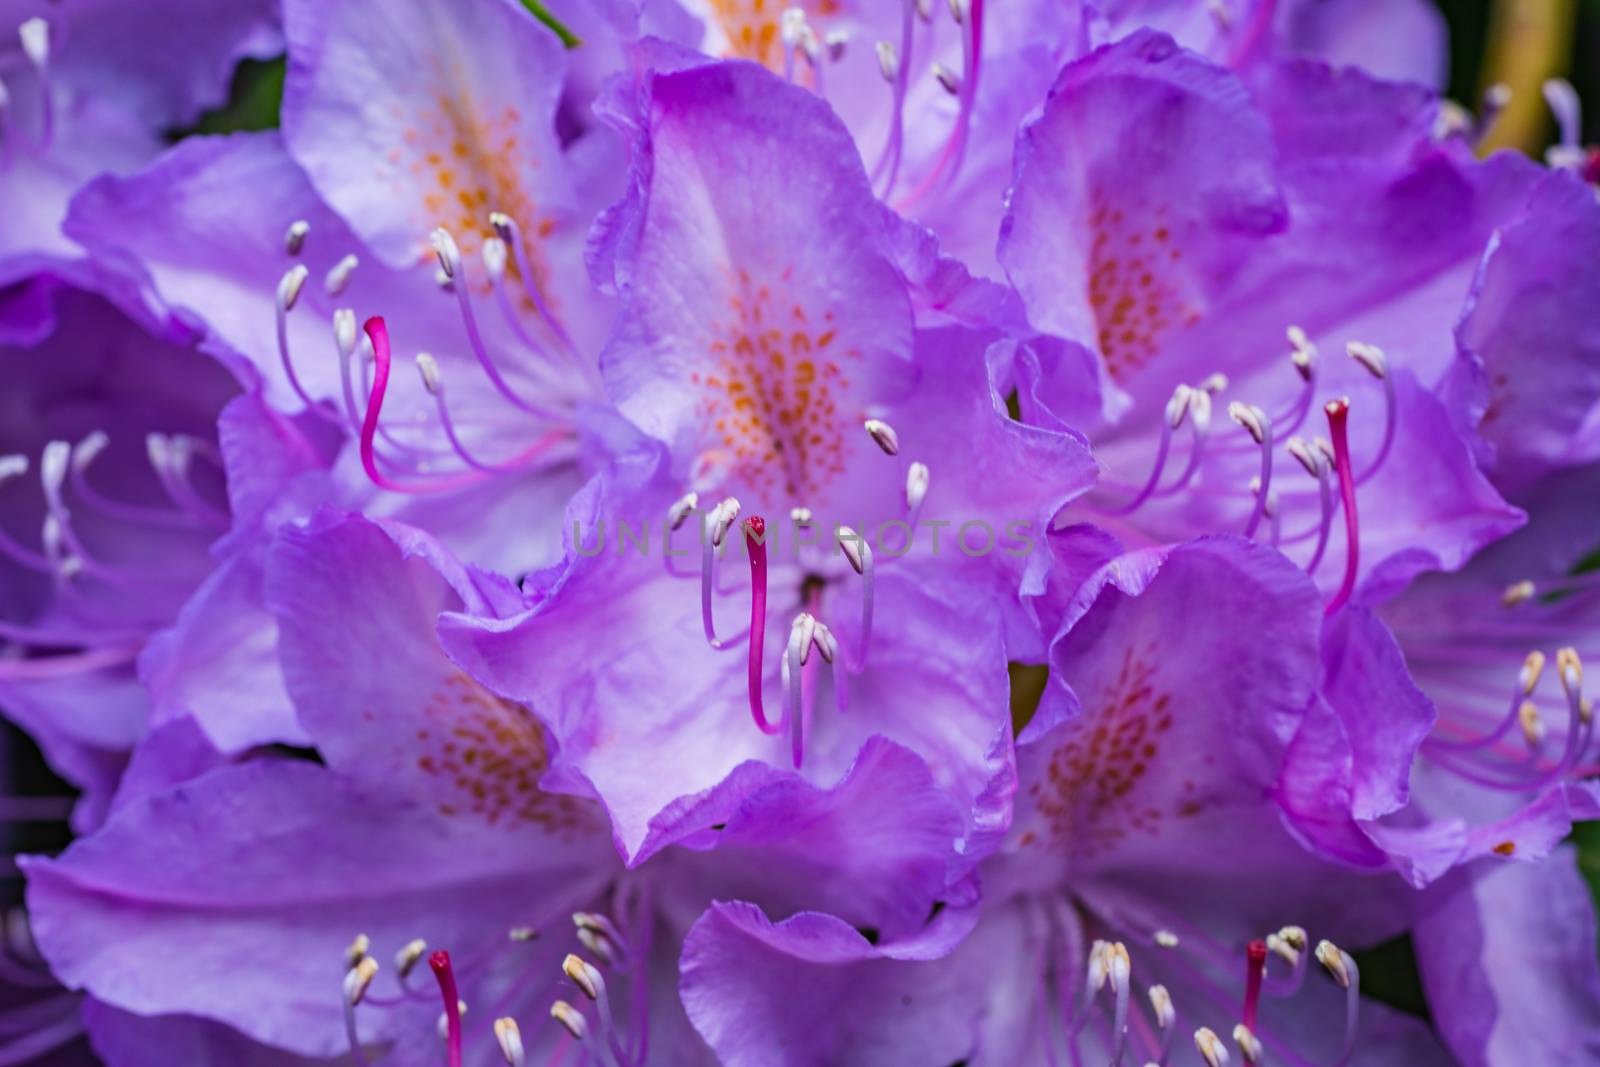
(755, 539)
(1527, 679)
(356, 981)
(1119, 970)
(507, 229)
(1343, 968)
(795, 655)
(289, 289)
(859, 554)
(895, 66)
(1255, 421)
(1567, 108)
(1376, 363)
(439, 963)
(722, 517)
(969, 16)
(449, 255)
(433, 382)
(1199, 416)
(1289, 945)
(1177, 410)
(1338, 412)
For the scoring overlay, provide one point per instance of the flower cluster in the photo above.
(697, 531)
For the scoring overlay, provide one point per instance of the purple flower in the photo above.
(92, 87)
(1147, 841)
(114, 494)
(234, 895)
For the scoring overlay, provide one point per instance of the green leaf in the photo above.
(542, 13)
(1389, 974)
(253, 101)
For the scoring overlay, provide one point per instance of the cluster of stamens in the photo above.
(1326, 459)
(411, 458)
(808, 633)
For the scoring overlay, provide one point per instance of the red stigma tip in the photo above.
(1338, 412)
(439, 962)
(1255, 969)
(755, 525)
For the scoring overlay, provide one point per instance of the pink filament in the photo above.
(1338, 416)
(440, 963)
(755, 530)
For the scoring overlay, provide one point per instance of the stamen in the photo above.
(1211, 1047)
(859, 554)
(289, 287)
(294, 238)
(439, 963)
(449, 256)
(1119, 971)
(1338, 412)
(681, 509)
(406, 959)
(802, 634)
(339, 274)
(1249, 1045)
(888, 61)
(1166, 939)
(1532, 728)
(34, 34)
(755, 539)
(1177, 410)
(574, 1023)
(884, 436)
(1343, 968)
(506, 228)
(947, 79)
(722, 517)
(1289, 945)
(968, 14)
(592, 984)
(1256, 423)
(1373, 360)
(1166, 1017)
(1496, 98)
(893, 65)
(509, 1037)
(356, 981)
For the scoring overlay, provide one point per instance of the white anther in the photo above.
(1218, 10)
(1166, 939)
(1294, 937)
(925, 10)
(583, 975)
(570, 1019)
(1214, 383)
(827, 644)
(12, 466)
(448, 252)
(722, 518)
(158, 450)
(1331, 958)
(294, 238)
(1119, 967)
(884, 435)
(1532, 725)
(442, 1024)
(855, 549)
(358, 950)
(1211, 1047)
(1324, 449)
(681, 508)
(1369, 356)
(1282, 949)
(406, 959)
(1453, 120)
(958, 10)
(835, 44)
(802, 635)
(34, 34)
(358, 978)
(792, 26)
(1517, 593)
(1531, 670)
(344, 330)
(1566, 106)
(1570, 669)
(917, 478)
(1249, 1044)
(1161, 1006)
(509, 1037)
(801, 517)
(948, 79)
(1099, 966)
(1309, 459)
(888, 61)
(494, 258)
(503, 227)
(1178, 405)
(53, 460)
(428, 367)
(1200, 410)
(1270, 508)
(294, 280)
(1252, 418)
(522, 934)
(339, 274)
